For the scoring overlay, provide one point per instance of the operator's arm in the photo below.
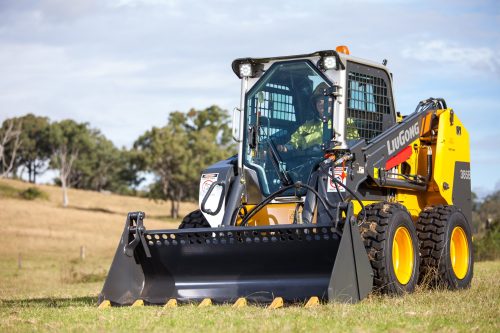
(297, 139)
(308, 135)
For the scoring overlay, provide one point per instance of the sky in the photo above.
(123, 65)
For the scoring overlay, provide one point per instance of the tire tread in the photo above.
(195, 219)
(431, 232)
(373, 231)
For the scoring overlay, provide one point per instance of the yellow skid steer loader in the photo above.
(332, 194)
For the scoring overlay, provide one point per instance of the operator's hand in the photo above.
(282, 148)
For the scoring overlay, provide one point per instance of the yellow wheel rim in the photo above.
(459, 252)
(402, 255)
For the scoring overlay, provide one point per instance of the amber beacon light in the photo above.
(342, 49)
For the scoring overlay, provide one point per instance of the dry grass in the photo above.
(48, 237)
(56, 291)
(101, 202)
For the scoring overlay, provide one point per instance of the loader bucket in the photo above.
(294, 262)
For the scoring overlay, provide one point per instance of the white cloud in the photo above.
(55, 11)
(447, 53)
(106, 68)
(135, 3)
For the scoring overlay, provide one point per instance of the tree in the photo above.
(10, 143)
(35, 151)
(94, 167)
(115, 170)
(490, 211)
(487, 240)
(130, 166)
(104, 167)
(68, 140)
(210, 140)
(164, 152)
(178, 152)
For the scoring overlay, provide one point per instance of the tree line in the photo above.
(486, 221)
(85, 159)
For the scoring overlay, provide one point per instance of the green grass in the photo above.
(7, 191)
(72, 307)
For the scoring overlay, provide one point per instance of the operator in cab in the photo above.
(310, 133)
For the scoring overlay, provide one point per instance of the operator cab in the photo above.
(286, 134)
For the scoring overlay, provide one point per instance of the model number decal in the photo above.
(465, 174)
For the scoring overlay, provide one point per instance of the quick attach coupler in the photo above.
(135, 222)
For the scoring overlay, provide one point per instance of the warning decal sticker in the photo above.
(206, 180)
(340, 174)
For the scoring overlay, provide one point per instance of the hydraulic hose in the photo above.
(313, 190)
(336, 182)
(278, 192)
(430, 102)
(429, 165)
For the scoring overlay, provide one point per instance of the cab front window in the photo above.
(285, 112)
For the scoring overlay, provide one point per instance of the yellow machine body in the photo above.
(449, 143)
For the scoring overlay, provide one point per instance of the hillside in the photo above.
(48, 238)
(54, 290)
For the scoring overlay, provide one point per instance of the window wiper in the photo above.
(277, 163)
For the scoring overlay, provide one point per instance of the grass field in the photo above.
(54, 290)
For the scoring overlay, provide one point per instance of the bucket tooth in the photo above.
(172, 303)
(312, 302)
(206, 302)
(104, 304)
(138, 303)
(276, 303)
(240, 303)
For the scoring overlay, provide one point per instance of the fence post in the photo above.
(82, 252)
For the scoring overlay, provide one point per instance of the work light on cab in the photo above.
(329, 62)
(245, 70)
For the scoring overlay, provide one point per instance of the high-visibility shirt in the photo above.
(311, 133)
(308, 134)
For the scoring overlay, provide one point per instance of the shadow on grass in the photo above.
(165, 218)
(49, 302)
(95, 210)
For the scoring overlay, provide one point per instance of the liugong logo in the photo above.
(404, 137)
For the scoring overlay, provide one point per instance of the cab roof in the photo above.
(341, 60)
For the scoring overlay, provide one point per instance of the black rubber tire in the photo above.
(434, 227)
(378, 231)
(194, 219)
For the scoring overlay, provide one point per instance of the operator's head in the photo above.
(318, 98)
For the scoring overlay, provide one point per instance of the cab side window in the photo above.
(369, 102)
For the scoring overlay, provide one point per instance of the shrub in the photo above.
(32, 193)
(488, 246)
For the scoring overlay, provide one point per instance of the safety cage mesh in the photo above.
(276, 104)
(367, 102)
